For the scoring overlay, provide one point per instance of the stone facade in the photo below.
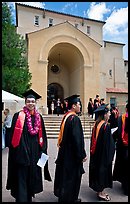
(67, 55)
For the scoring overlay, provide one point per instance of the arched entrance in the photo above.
(54, 91)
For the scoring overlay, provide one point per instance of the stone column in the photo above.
(40, 81)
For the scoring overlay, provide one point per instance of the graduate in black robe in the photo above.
(71, 155)
(120, 171)
(113, 120)
(24, 177)
(102, 149)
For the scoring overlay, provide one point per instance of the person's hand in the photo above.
(85, 159)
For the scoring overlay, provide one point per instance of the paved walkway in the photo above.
(86, 194)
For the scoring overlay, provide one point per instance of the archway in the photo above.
(54, 91)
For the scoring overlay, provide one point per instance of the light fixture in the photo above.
(56, 68)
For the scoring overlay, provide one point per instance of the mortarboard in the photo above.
(102, 109)
(73, 99)
(31, 94)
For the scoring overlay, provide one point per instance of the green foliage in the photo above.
(15, 72)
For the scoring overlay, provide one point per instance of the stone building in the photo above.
(67, 55)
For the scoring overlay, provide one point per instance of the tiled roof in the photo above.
(116, 90)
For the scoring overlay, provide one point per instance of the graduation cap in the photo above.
(31, 94)
(73, 99)
(102, 109)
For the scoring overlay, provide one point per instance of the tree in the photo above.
(15, 71)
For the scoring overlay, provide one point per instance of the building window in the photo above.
(76, 25)
(36, 21)
(113, 101)
(110, 72)
(50, 22)
(127, 75)
(88, 30)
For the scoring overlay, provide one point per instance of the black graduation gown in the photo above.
(100, 164)
(120, 171)
(90, 108)
(22, 162)
(113, 124)
(69, 165)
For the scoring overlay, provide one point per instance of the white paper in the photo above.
(113, 130)
(42, 161)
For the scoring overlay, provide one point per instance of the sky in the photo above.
(114, 14)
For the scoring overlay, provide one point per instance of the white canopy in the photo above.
(8, 97)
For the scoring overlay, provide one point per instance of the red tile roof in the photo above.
(116, 90)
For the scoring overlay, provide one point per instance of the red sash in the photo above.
(124, 135)
(19, 129)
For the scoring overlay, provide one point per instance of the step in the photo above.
(53, 122)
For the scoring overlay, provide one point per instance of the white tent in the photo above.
(8, 97)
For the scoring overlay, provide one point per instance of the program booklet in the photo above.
(42, 161)
(113, 130)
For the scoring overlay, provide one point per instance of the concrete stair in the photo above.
(52, 125)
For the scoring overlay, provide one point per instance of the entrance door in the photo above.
(54, 91)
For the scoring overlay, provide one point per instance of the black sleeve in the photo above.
(44, 148)
(78, 139)
(110, 144)
(47, 175)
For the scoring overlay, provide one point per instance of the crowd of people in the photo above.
(93, 104)
(27, 142)
(57, 106)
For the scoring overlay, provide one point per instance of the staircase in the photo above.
(52, 125)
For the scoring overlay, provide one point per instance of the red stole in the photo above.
(124, 135)
(19, 129)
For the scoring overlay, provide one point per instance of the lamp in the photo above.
(56, 68)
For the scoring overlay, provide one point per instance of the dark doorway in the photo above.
(54, 91)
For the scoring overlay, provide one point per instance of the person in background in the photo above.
(97, 99)
(28, 142)
(52, 107)
(7, 126)
(113, 120)
(102, 101)
(65, 106)
(90, 107)
(58, 106)
(96, 105)
(120, 171)
(71, 154)
(3, 139)
(102, 149)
